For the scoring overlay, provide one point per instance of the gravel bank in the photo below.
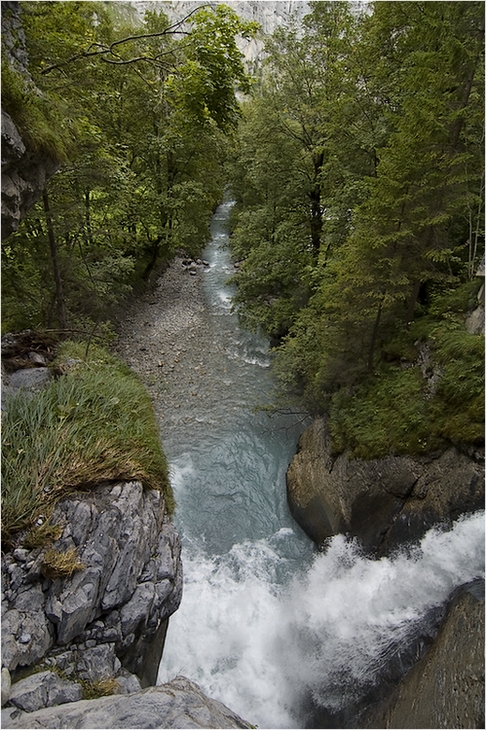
(164, 339)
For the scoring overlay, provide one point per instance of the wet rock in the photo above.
(178, 704)
(384, 502)
(445, 689)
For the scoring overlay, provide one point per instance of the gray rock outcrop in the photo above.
(384, 502)
(24, 170)
(178, 704)
(108, 619)
(24, 176)
(44, 689)
(445, 689)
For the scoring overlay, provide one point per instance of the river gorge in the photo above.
(293, 586)
(267, 625)
(285, 631)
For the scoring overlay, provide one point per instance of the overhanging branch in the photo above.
(98, 49)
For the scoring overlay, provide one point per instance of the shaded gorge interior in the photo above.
(284, 635)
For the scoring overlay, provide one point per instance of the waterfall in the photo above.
(259, 644)
(267, 624)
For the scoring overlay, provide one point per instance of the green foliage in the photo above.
(136, 111)
(396, 410)
(93, 424)
(36, 118)
(42, 535)
(204, 85)
(359, 217)
(388, 412)
(458, 409)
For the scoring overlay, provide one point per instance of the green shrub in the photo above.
(93, 424)
(458, 409)
(386, 413)
(392, 410)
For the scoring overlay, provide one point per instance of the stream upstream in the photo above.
(266, 623)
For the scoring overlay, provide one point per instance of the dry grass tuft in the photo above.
(100, 688)
(61, 565)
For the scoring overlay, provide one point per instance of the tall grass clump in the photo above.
(95, 423)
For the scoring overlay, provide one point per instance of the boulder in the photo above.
(178, 704)
(30, 378)
(6, 685)
(384, 502)
(113, 611)
(445, 689)
(44, 689)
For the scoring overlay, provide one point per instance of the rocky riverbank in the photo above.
(384, 502)
(388, 504)
(164, 340)
(101, 629)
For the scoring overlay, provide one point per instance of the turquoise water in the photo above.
(265, 619)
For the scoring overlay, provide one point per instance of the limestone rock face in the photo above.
(178, 704)
(24, 176)
(44, 689)
(384, 502)
(446, 688)
(112, 611)
(24, 171)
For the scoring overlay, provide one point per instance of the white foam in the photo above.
(256, 645)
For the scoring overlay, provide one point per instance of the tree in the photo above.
(297, 173)
(394, 121)
(142, 171)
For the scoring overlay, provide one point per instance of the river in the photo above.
(267, 625)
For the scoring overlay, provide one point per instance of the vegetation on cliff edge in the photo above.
(92, 424)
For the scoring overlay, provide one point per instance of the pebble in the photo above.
(21, 554)
(167, 354)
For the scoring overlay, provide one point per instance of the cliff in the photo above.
(108, 619)
(85, 613)
(387, 503)
(446, 687)
(384, 502)
(25, 170)
(24, 176)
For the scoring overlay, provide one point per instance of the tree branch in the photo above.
(101, 50)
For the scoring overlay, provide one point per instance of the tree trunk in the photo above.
(316, 208)
(374, 338)
(412, 302)
(153, 258)
(61, 309)
(87, 210)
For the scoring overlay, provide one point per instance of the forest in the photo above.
(354, 152)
